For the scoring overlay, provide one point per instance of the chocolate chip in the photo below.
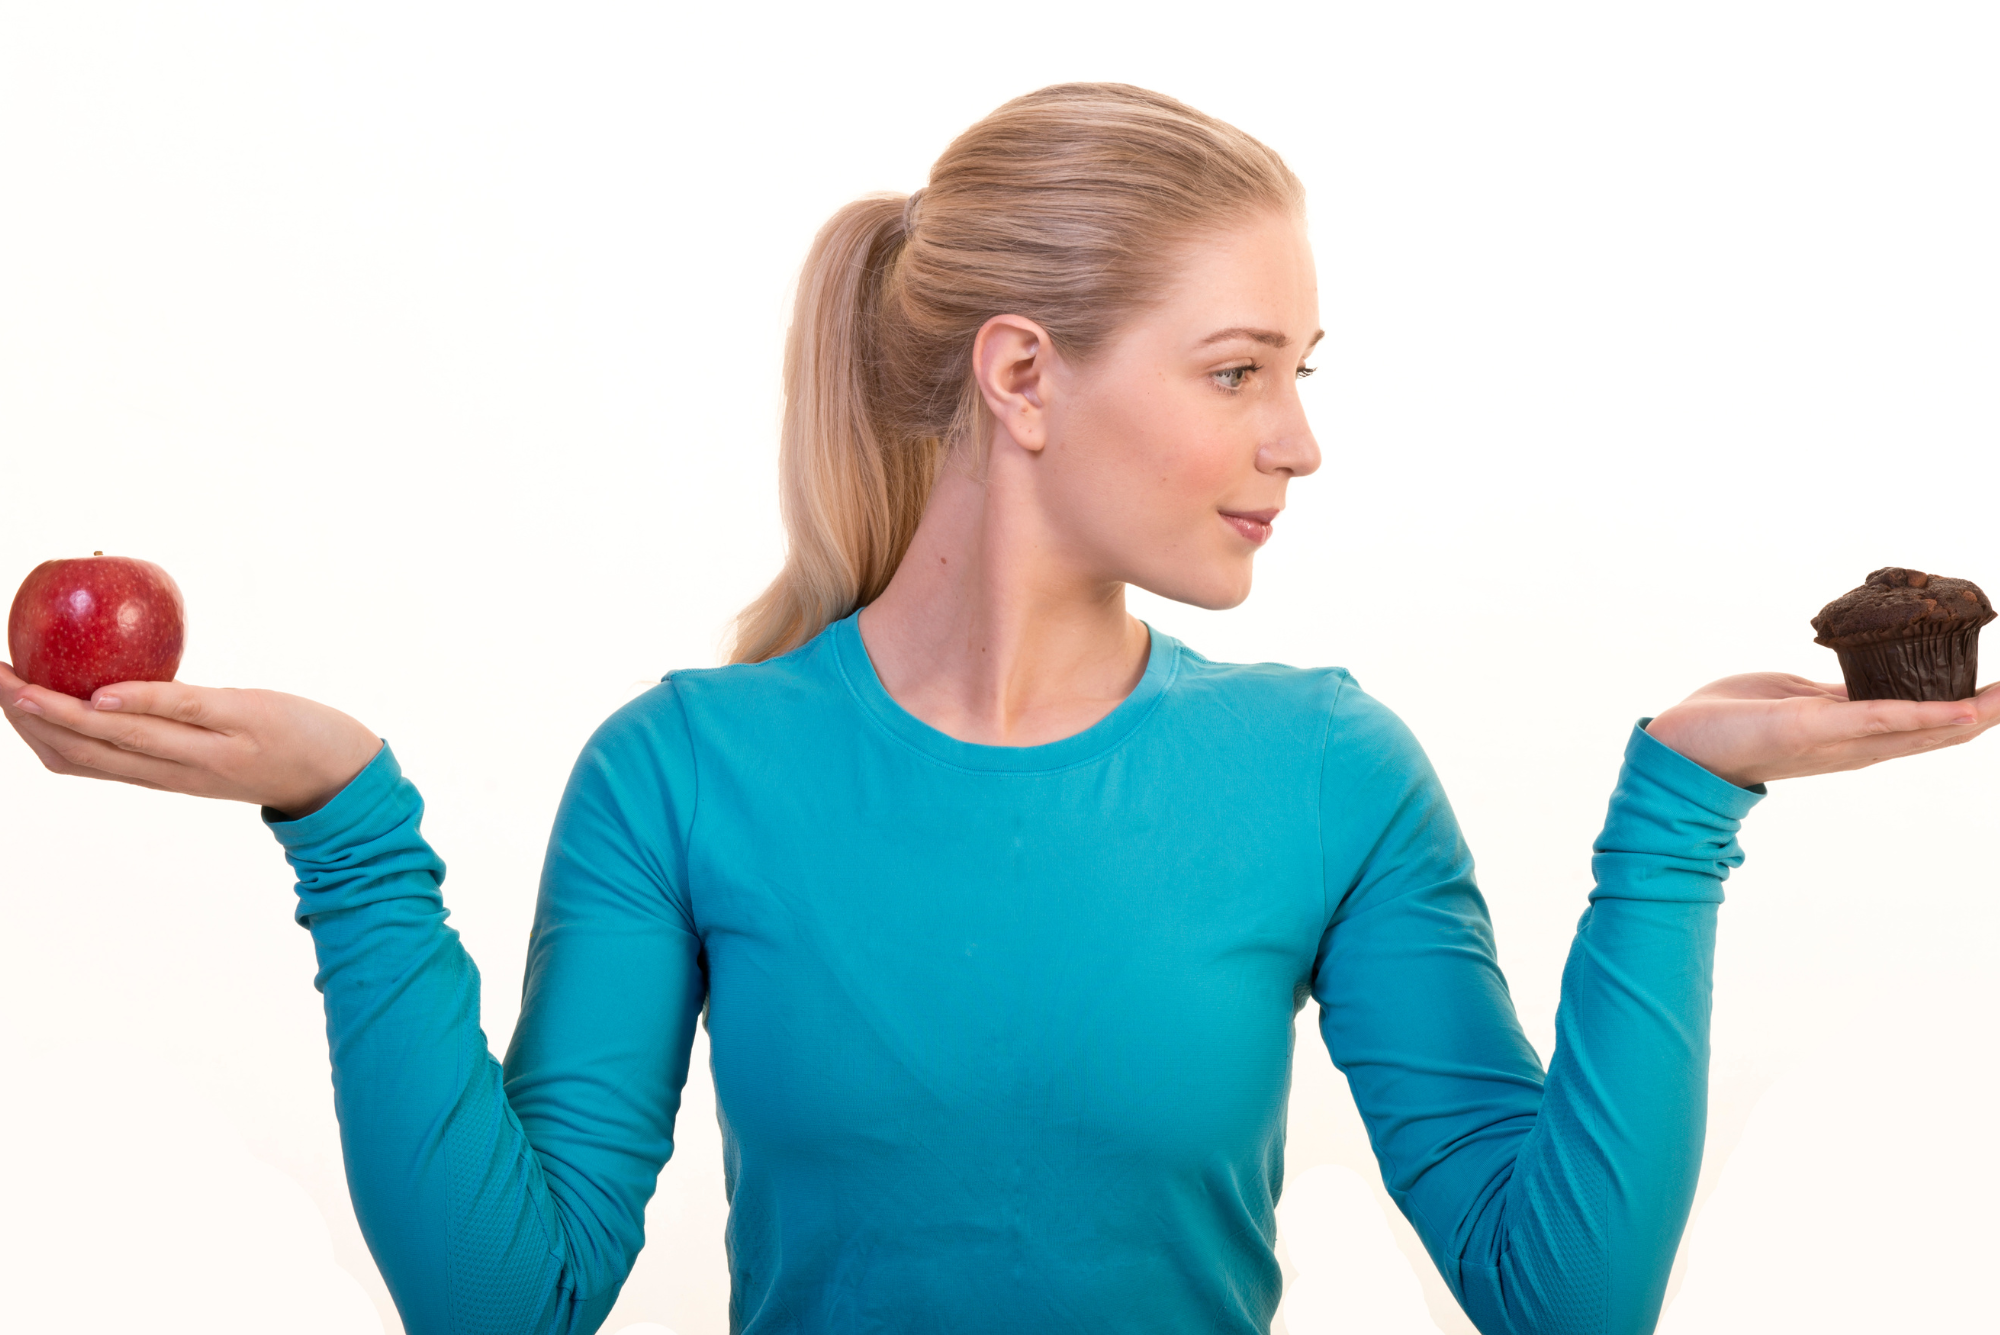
(1917, 579)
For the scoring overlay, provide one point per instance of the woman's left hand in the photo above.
(1772, 725)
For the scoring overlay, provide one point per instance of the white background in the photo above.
(435, 351)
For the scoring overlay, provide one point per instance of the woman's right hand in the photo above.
(279, 751)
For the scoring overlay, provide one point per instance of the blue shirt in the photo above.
(1002, 1036)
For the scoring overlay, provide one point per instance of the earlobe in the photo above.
(1011, 360)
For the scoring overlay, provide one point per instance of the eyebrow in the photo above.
(1270, 338)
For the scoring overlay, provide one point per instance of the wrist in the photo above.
(1685, 737)
(330, 780)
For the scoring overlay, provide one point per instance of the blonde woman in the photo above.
(997, 903)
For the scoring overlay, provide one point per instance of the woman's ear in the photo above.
(1015, 363)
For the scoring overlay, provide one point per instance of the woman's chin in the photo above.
(1211, 594)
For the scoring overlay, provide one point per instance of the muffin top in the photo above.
(1894, 604)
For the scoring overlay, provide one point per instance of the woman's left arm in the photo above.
(1555, 1204)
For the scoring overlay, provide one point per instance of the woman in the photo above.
(998, 904)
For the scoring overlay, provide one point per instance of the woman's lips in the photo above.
(1254, 525)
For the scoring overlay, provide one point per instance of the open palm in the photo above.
(277, 750)
(1760, 726)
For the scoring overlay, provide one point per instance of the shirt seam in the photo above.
(1341, 679)
(694, 809)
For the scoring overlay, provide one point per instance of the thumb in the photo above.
(201, 706)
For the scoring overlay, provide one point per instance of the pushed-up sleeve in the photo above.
(1551, 1203)
(510, 1199)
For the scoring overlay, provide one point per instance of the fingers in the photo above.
(1888, 746)
(200, 706)
(1865, 718)
(63, 751)
(141, 733)
(44, 750)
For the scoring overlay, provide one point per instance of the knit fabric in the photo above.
(1002, 1037)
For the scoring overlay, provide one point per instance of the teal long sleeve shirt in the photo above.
(1002, 1036)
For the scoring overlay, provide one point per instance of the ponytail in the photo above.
(1064, 206)
(851, 491)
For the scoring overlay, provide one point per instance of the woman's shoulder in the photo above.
(1203, 672)
(1268, 688)
(799, 677)
(665, 726)
(1329, 697)
(690, 702)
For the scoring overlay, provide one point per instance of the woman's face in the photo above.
(1166, 456)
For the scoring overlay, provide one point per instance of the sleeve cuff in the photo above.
(1648, 755)
(365, 809)
(1670, 832)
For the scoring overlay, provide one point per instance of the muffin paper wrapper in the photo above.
(1922, 667)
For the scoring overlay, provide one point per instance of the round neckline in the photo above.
(851, 655)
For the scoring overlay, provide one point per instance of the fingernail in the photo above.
(107, 702)
(27, 706)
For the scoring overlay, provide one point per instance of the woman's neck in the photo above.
(991, 631)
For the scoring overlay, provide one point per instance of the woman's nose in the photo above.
(1293, 450)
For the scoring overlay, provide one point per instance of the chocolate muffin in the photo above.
(1906, 635)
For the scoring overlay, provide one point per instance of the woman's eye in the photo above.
(1233, 377)
(1305, 371)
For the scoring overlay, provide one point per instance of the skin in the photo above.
(1006, 622)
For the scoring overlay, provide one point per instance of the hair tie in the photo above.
(910, 210)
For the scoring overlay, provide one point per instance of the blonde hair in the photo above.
(1063, 206)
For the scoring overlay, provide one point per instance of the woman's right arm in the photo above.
(493, 1200)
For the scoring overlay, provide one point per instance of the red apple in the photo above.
(80, 624)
